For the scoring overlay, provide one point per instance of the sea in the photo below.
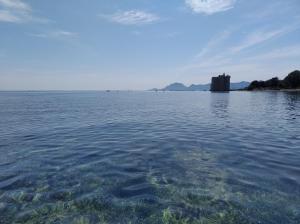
(88, 157)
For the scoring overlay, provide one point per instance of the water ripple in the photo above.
(143, 157)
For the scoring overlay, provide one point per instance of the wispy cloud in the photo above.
(213, 43)
(208, 63)
(218, 56)
(17, 11)
(252, 66)
(260, 36)
(132, 17)
(136, 33)
(227, 60)
(210, 6)
(55, 34)
(292, 51)
(272, 10)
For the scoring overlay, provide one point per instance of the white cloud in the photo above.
(17, 11)
(14, 11)
(63, 33)
(55, 34)
(132, 17)
(210, 6)
(15, 4)
(7, 16)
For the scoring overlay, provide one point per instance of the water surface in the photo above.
(147, 157)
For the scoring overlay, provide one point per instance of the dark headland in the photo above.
(290, 82)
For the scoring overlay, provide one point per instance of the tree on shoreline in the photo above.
(292, 81)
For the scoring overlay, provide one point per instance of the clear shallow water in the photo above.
(146, 157)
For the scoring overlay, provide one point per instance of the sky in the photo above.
(142, 44)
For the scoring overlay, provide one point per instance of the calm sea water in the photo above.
(146, 157)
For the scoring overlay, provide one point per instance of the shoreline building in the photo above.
(220, 83)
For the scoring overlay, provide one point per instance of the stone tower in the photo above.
(220, 83)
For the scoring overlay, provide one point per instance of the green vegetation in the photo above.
(196, 192)
(292, 81)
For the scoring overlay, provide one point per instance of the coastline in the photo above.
(272, 90)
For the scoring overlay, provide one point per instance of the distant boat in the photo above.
(107, 91)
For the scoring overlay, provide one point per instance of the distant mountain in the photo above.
(175, 87)
(239, 85)
(201, 87)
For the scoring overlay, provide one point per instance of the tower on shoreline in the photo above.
(220, 83)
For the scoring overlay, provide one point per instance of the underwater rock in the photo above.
(2, 207)
(81, 220)
(18, 197)
(37, 197)
(60, 195)
(26, 197)
(26, 216)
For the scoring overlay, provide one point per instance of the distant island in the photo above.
(292, 81)
(200, 87)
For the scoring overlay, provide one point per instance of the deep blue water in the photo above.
(147, 157)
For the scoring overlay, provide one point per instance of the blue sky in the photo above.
(140, 44)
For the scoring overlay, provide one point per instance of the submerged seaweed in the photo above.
(176, 166)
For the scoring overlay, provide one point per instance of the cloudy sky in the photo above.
(140, 44)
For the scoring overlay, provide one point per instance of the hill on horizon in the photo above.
(200, 87)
